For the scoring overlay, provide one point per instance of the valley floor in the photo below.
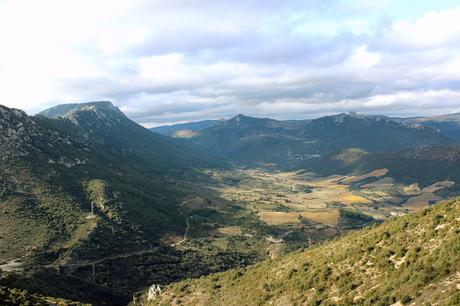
(235, 218)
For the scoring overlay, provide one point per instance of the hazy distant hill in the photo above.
(171, 130)
(411, 260)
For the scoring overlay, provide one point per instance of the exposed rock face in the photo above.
(16, 130)
(22, 135)
(65, 110)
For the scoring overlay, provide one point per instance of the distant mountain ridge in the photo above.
(448, 124)
(291, 144)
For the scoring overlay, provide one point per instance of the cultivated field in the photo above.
(270, 212)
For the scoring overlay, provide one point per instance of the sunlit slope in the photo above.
(414, 260)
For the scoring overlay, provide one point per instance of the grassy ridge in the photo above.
(413, 259)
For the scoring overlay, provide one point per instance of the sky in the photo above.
(164, 62)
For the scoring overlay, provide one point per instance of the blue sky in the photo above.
(174, 61)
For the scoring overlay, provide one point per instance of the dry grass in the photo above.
(375, 173)
(412, 189)
(279, 217)
(422, 201)
(438, 186)
(231, 230)
(349, 198)
(330, 217)
(184, 134)
(426, 196)
(272, 197)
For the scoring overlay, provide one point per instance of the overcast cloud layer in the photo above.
(185, 60)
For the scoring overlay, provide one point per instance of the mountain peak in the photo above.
(239, 117)
(64, 110)
(352, 115)
(90, 114)
(7, 114)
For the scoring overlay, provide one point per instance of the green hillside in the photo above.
(52, 169)
(295, 144)
(411, 260)
(14, 297)
(94, 207)
(425, 165)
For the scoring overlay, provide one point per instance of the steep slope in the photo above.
(177, 130)
(111, 131)
(293, 144)
(13, 297)
(410, 260)
(54, 170)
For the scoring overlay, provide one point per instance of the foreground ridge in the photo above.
(410, 260)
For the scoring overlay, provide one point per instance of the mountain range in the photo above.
(312, 144)
(94, 207)
(448, 125)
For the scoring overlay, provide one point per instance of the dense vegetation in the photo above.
(53, 169)
(94, 207)
(420, 150)
(14, 297)
(297, 144)
(412, 260)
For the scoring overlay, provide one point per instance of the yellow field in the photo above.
(349, 198)
(284, 198)
(230, 230)
(330, 217)
(375, 173)
(279, 217)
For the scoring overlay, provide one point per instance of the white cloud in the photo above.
(165, 61)
(363, 59)
(431, 30)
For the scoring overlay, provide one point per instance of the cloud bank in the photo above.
(184, 60)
